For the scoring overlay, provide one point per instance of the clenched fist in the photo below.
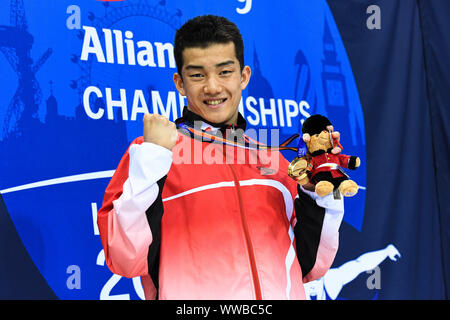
(159, 130)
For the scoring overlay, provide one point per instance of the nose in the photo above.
(212, 86)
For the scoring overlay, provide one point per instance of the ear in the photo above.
(245, 77)
(179, 84)
(306, 137)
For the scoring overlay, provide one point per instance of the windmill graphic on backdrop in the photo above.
(16, 43)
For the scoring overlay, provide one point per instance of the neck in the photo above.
(191, 117)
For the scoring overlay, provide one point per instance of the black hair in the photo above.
(203, 31)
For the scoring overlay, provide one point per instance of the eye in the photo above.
(225, 72)
(196, 75)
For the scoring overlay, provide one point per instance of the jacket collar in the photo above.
(190, 117)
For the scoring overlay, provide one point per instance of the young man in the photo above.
(220, 229)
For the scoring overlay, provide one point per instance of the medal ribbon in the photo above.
(249, 141)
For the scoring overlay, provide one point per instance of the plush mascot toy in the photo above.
(320, 166)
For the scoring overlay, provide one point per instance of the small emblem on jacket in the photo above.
(266, 171)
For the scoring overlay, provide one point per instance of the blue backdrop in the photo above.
(78, 77)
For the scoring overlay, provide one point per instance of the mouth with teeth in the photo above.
(214, 103)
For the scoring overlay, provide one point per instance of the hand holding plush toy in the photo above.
(320, 165)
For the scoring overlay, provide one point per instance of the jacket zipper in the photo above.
(251, 253)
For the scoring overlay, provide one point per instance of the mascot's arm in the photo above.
(349, 162)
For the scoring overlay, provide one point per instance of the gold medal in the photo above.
(297, 169)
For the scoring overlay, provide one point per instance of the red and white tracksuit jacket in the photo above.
(214, 231)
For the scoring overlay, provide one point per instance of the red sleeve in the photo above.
(121, 255)
(115, 186)
(344, 160)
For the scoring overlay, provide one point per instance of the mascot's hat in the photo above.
(315, 124)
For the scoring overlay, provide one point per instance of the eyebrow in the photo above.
(219, 65)
(225, 63)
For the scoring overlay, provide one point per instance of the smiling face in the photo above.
(212, 82)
